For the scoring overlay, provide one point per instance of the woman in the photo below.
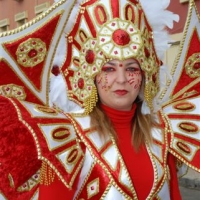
(118, 114)
(104, 138)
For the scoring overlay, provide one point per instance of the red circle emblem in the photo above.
(121, 37)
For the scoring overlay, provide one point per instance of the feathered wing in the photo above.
(182, 110)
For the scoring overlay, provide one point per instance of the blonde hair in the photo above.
(141, 125)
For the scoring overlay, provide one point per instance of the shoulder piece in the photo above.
(182, 109)
(27, 53)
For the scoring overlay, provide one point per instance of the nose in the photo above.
(121, 76)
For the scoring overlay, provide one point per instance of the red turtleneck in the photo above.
(138, 163)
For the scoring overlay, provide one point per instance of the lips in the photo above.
(121, 92)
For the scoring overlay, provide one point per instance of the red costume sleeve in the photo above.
(174, 187)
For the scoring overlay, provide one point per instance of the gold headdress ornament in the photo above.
(106, 30)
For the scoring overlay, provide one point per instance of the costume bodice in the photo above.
(72, 149)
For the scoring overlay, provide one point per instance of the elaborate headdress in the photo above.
(105, 30)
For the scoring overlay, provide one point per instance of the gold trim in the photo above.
(96, 180)
(11, 181)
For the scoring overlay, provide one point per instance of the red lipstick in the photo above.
(121, 92)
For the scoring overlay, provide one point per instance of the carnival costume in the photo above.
(46, 136)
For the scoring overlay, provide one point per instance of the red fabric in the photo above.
(34, 73)
(56, 190)
(15, 141)
(135, 161)
(174, 188)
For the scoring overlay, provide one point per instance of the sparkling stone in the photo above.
(32, 53)
(121, 37)
(81, 83)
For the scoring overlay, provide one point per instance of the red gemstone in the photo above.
(103, 39)
(197, 65)
(90, 56)
(113, 24)
(41, 49)
(55, 70)
(92, 187)
(131, 29)
(19, 93)
(121, 37)
(81, 83)
(115, 52)
(34, 43)
(32, 53)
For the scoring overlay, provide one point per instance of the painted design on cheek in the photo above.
(135, 79)
(103, 81)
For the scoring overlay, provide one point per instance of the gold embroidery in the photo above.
(31, 52)
(60, 133)
(184, 106)
(46, 109)
(12, 184)
(188, 127)
(93, 188)
(47, 174)
(30, 183)
(90, 103)
(12, 90)
(193, 65)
